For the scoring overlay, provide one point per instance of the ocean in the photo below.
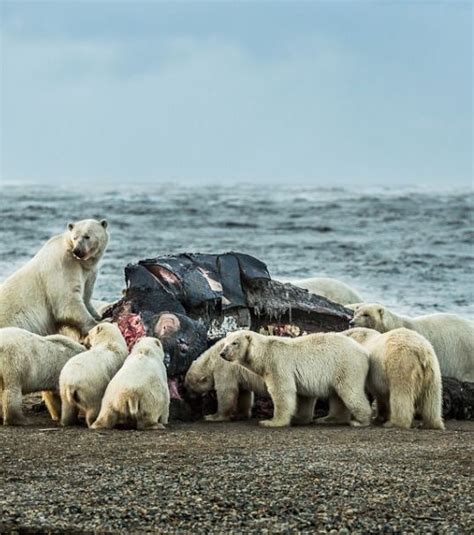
(411, 249)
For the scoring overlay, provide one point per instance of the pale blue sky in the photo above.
(304, 92)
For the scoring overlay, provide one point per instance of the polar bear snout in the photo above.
(224, 354)
(79, 253)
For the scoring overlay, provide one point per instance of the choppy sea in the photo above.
(412, 248)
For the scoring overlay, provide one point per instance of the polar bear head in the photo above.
(236, 346)
(107, 335)
(371, 316)
(87, 239)
(200, 377)
(149, 347)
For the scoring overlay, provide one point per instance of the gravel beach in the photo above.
(236, 477)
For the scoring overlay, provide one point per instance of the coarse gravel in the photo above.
(236, 478)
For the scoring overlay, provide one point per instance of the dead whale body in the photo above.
(189, 301)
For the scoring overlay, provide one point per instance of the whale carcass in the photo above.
(189, 301)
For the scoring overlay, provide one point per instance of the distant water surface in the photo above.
(412, 249)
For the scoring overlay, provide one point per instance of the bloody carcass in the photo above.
(189, 301)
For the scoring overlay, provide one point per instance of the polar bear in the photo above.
(451, 336)
(54, 288)
(234, 384)
(85, 377)
(404, 377)
(332, 289)
(138, 391)
(30, 363)
(297, 371)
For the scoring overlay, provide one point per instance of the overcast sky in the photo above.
(312, 92)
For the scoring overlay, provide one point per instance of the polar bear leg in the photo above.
(52, 400)
(382, 409)
(305, 410)
(226, 404)
(165, 415)
(146, 421)
(402, 408)
(12, 400)
(69, 413)
(245, 404)
(107, 419)
(354, 398)
(431, 407)
(91, 415)
(338, 413)
(282, 390)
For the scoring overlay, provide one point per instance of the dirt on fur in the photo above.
(235, 477)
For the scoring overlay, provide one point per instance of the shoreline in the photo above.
(203, 477)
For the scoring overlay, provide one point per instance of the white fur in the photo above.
(138, 391)
(451, 336)
(297, 371)
(54, 288)
(404, 376)
(234, 384)
(85, 377)
(30, 363)
(333, 289)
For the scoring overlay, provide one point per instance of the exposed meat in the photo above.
(131, 327)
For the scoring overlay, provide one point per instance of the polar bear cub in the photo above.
(297, 371)
(404, 377)
(451, 336)
(138, 391)
(234, 384)
(30, 363)
(85, 377)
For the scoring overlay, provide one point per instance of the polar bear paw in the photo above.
(273, 423)
(216, 418)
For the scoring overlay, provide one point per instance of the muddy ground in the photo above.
(236, 477)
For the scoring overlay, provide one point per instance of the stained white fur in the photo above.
(30, 363)
(332, 289)
(404, 376)
(451, 336)
(234, 384)
(138, 391)
(85, 377)
(297, 371)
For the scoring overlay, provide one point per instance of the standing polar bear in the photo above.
(332, 289)
(297, 371)
(451, 336)
(138, 391)
(52, 292)
(404, 377)
(54, 288)
(30, 363)
(234, 384)
(85, 377)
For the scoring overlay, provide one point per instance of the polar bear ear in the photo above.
(70, 226)
(381, 311)
(104, 223)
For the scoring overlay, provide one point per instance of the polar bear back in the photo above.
(333, 289)
(33, 361)
(315, 360)
(140, 372)
(452, 338)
